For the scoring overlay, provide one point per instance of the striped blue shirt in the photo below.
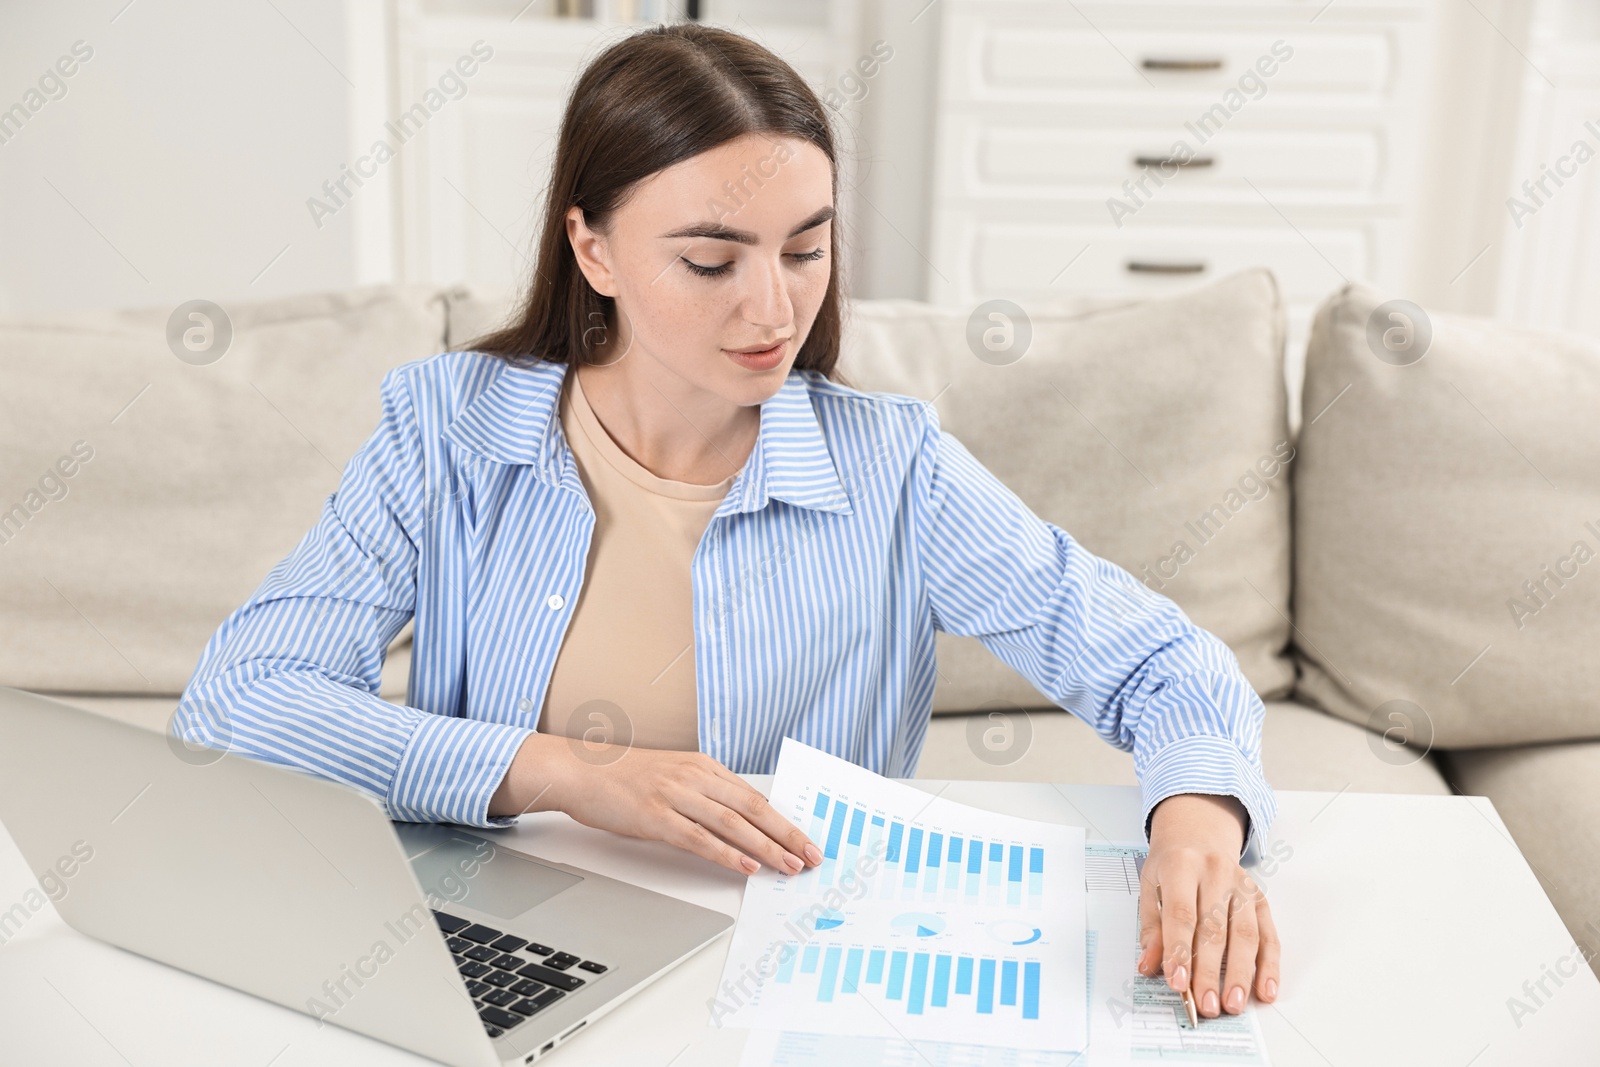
(856, 529)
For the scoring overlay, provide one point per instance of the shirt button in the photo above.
(555, 601)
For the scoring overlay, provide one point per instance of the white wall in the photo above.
(1480, 50)
(896, 148)
(178, 162)
(1550, 267)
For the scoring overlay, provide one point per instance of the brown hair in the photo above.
(652, 99)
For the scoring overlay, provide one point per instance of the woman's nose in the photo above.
(767, 300)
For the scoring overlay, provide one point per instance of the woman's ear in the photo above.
(592, 253)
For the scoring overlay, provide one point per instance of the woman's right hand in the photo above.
(686, 799)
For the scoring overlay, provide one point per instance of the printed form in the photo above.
(927, 921)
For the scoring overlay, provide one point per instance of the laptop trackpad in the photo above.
(470, 870)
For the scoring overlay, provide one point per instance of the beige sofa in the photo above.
(1363, 569)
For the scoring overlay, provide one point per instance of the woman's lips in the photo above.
(765, 359)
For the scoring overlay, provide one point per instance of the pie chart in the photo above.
(820, 919)
(1009, 932)
(919, 923)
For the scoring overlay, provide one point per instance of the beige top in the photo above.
(630, 644)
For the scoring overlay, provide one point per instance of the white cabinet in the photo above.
(473, 180)
(1139, 148)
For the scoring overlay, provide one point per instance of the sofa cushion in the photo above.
(1549, 798)
(191, 481)
(1447, 527)
(151, 713)
(1301, 748)
(1154, 432)
(155, 712)
(472, 311)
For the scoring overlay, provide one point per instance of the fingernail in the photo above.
(1180, 978)
(791, 863)
(813, 855)
(749, 864)
(1210, 1002)
(1272, 988)
(1236, 998)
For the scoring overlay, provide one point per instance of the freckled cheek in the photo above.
(806, 296)
(683, 317)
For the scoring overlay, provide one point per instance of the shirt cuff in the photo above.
(1212, 765)
(450, 770)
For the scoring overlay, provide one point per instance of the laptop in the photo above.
(300, 890)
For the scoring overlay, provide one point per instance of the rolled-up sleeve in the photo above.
(292, 675)
(1087, 633)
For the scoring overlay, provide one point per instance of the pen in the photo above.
(1188, 997)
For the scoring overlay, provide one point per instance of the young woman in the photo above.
(650, 516)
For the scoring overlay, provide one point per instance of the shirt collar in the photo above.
(514, 421)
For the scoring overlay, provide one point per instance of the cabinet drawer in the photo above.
(990, 61)
(1001, 160)
(1031, 262)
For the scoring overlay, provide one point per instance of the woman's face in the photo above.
(725, 251)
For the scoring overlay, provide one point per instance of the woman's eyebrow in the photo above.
(717, 232)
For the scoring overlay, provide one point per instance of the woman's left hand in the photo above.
(1208, 903)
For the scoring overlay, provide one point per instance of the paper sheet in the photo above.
(928, 920)
(1132, 1019)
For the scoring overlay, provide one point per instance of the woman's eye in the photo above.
(718, 271)
(707, 272)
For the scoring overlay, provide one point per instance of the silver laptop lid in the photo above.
(258, 876)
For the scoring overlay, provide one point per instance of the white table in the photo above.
(1407, 923)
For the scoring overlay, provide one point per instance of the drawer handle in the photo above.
(1145, 266)
(1157, 63)
(1172, 161)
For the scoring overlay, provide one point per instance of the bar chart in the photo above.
(929, 863)
(915, 982)
(926, 919)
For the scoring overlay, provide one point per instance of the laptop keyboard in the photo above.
(510, 978)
